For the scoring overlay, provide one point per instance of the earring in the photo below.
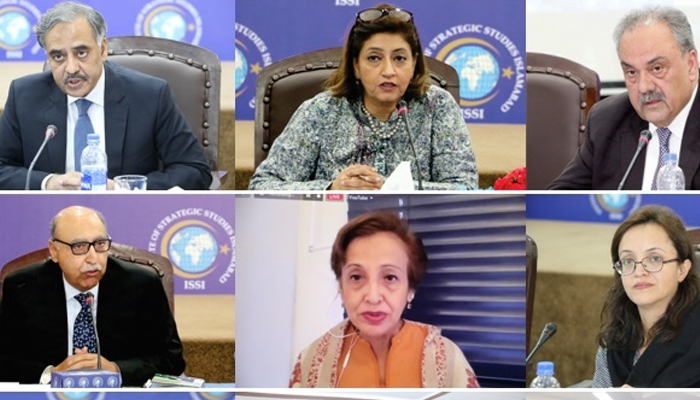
(408, 306)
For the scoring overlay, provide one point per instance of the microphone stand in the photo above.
(403, 112)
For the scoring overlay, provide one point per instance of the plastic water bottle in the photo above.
(93, 162)
(545, 376)
(670, 175)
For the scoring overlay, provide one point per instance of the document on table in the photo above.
(399, 180)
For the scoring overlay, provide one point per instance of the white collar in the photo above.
(677, 126)
(96, 95)
(71, 292)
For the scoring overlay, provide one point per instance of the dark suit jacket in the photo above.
(136, 328)
(143, 128)
(612, 135)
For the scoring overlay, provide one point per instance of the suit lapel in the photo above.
(56, 317)
(107, 308)
(56, 113)
(116, 113)
(690, 145)
(628, 146)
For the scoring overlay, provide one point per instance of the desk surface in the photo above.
(498, 148)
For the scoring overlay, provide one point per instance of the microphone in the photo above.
(403, 112)
(90, 300)
(549, 330)
(88, 378)
(50, 133)
(644, 139)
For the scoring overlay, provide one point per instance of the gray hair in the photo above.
(54, 221)
(674, 18)
(71, 11)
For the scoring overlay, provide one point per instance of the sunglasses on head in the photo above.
(374, 14)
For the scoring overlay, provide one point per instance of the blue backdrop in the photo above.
(206, 23)
(484, 40)
(608, 207)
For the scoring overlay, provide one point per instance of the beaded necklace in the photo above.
(374, 125)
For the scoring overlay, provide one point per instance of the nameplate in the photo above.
(86, 379)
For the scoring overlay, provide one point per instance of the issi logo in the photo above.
(614, 206)
(490, 66)
(200, 243)
(251, 56)
(18, 19)
(170, 19)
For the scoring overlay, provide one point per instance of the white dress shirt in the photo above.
(73, 307)
(96, 112)
(676, 127)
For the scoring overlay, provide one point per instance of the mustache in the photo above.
(75, 76)
(651, 96)
(90, 268)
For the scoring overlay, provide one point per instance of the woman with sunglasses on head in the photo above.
(351, 137)
(650, 334)
(378, 263)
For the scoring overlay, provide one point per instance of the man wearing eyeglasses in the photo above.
(46, 321)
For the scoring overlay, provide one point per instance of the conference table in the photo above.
(499, 149)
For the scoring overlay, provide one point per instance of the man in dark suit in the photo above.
(660, 63)
(40, 310)
(141, 129)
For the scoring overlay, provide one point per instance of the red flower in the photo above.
(514, 180)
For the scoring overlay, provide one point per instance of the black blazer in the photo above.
(143, 128)
(612, 134)
(136, 328)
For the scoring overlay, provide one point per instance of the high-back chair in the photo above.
(148, 260)
(282, 87)
(194, 75)
(530, 283)
(695, 239)
(560, 93)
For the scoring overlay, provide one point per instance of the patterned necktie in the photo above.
(664, 135)
(82, 128)
(83, 329)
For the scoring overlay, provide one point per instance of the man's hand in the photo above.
(68, 181)
(358, 177)
(84, 360)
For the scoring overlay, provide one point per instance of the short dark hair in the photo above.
(375, 222)
(621, 325)
(343, 82)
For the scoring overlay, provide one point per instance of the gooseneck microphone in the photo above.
(549, 330)
(644, 139)
(90, 300)
(88, 378)
(50, 133)
(403, 112)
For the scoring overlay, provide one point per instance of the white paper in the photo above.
(400, 180)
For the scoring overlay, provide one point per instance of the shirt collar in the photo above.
(677, 126)
(96, 95)
(71, 292)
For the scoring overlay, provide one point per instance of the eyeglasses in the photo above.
(81, 248)
(373, 14)
(651, 264)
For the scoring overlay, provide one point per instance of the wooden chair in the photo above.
(140, 257)
(560, 93)
(282, 87)
(194, 75)
(530, 281)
